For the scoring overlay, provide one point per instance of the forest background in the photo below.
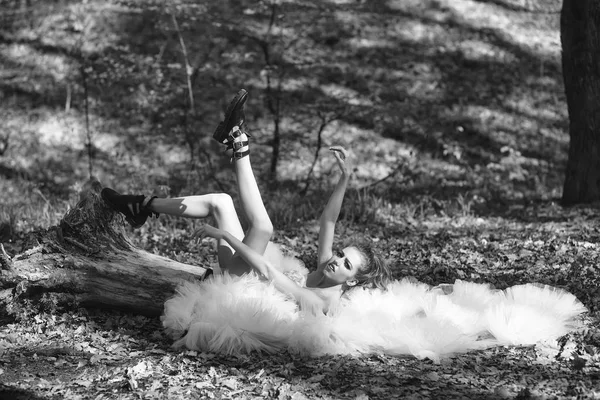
(453, 112)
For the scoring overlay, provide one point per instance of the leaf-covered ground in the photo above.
(108, 356)
(94, 354)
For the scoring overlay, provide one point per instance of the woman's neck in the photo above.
(317, 279)
(330, 293)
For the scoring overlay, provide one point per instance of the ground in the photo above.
(135, 361)
(99, 354)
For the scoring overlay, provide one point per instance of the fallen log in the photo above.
(87, 259)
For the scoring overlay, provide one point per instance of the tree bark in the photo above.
(580, 38)
(87, 259)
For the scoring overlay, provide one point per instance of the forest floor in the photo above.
(92, 354)
(466, 177)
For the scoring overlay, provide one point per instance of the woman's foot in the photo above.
(133, 207)
(234, 117)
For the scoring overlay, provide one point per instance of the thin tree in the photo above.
(325, 120)
(273, 93)
(191, 69)
(580, 38)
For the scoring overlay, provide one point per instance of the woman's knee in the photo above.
(264, 229)
(222, 203)
(267, 228)
(263, 226)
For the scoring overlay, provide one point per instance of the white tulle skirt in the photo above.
(234, 315)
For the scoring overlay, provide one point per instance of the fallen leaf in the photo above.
(298, 396)
(502, 391)
(433, 376)
(202, 385)
(95, 358)
(230, 384)
(316, 378)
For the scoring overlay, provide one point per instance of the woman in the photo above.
(241, 252)
(237, 312)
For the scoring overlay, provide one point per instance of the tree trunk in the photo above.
(580, 38)
(87, 259)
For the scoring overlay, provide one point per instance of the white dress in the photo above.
(234, 315)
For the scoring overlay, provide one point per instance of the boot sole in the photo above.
(222, 132)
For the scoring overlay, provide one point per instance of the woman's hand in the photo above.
(341, 155)
(207, 230)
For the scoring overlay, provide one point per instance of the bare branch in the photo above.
(5, 260)
(86, 103)
(188, 68)
(324, 122)
(393, 173)
(4, 143)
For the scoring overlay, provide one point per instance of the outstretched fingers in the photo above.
(340, 155)
(339, 151)
(207, 230)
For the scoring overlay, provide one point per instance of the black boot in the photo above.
(234, 116)
(131, 206)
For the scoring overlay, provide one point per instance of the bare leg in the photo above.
(219, 205)
(260, 228)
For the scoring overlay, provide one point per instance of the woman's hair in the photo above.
(376, 272)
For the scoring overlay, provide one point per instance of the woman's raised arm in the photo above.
(331, 211)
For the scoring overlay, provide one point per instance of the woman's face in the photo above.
(343, 265)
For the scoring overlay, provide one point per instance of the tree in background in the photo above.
(580, 37)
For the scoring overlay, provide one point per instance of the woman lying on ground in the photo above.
(237, 312)
(240, 252)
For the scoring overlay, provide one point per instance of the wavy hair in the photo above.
(376, 272)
